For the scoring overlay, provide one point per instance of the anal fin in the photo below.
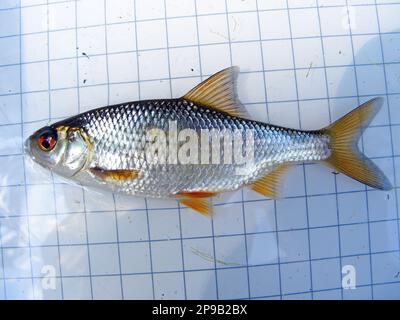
(269, 185)
(198, 201)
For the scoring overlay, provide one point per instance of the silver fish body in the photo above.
(119, 135)
(108, 147)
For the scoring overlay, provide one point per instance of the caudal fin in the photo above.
(346, 157)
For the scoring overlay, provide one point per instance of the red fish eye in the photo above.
(46, 142)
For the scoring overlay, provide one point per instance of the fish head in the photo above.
(62, 149)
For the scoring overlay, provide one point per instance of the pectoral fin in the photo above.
(198, 201)
(269, 185)
(114, 175)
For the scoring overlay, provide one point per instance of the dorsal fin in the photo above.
(219, 92)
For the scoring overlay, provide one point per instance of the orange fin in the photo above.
(198, 201)
(269, 185)
(114, 175)
(346, 157)
(219, 92)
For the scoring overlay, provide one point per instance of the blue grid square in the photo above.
(214, 58)
(6, 27)
(326, 274)
(138, 287)
(354, 239)
(132, 225)
(234, 224)
(259, 216)
(62, 44)
(388, 291)
(144, 11)
(18, 289)
(151, 34)
(182, 32)
(384, 236)
(228, 289)
(164, 224)
(74, 260)
(367, 49)
(35, 106)
(308, 53)
(199, 254)
(268, 22)
(108, 288)
(119, 11)
(184, 62)
(6, 103)
(166, 255)
(43, 230)
(382, 205)
(169, 286)
(352, 207)
(230, 251)
(277, 54)
(341, 81)
(243, 26)
(178, 8)
(121, 37)
(135, 257)
(146, 65)
(329, 247)
(295, 277)
(262, 248)
(14, 232)
(264, 281)
(104, 259)
(64, 102)
(320, 180)
(46, 262)
(95, 17)
(201, 285)
(71, 201)
(194, 224)
(291, 213)
(365, 20)
(101, 227)
(71, 229)
(304, 22)
(9, 80)
(77, 288)
(392, 77)
(91, 41)
(16, 263)
(368, 85)
(34, 48)
(293, 245)
(14, 200)
(61, 15)
(247, 56)
(210, 6)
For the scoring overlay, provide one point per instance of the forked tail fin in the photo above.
(346, 157)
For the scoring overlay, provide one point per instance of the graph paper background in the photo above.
(303, 65)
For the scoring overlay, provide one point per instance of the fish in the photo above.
(196, 147)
